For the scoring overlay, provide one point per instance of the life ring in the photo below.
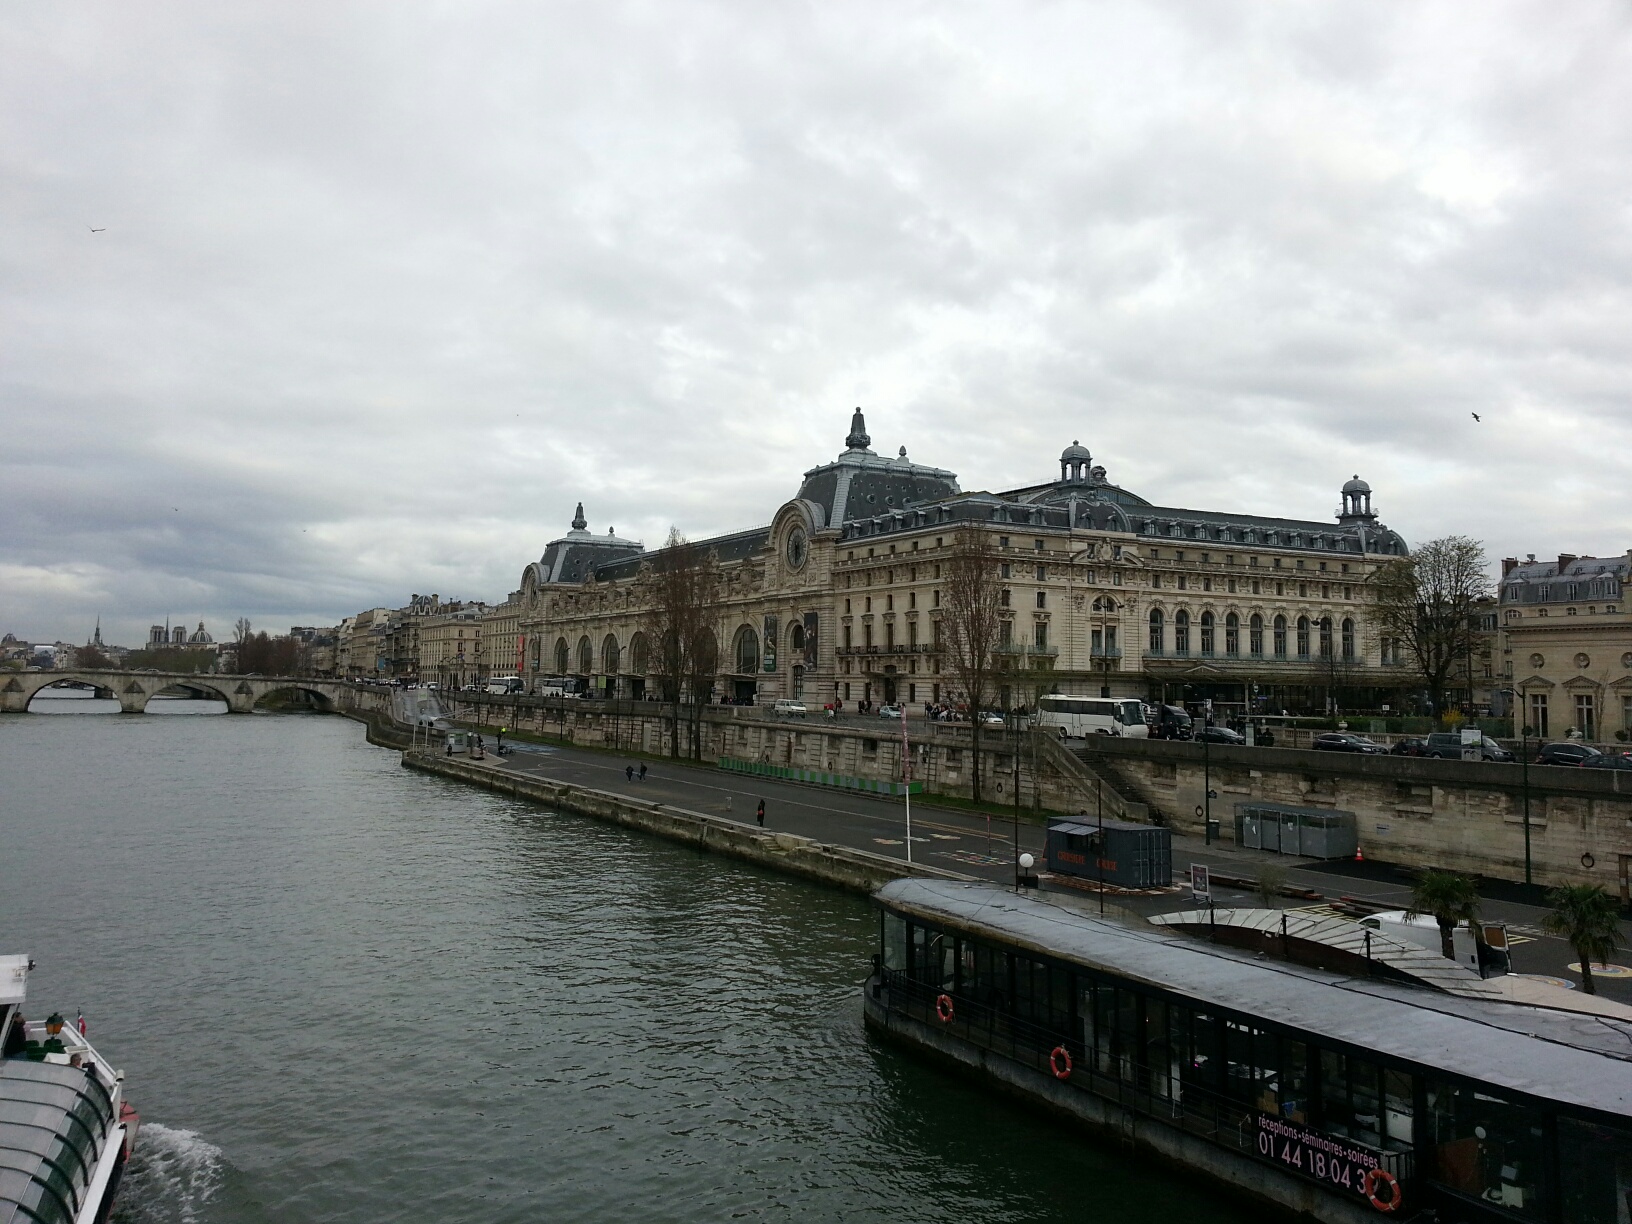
(943, 1008)
(1375, 1180)
(1059, 1062)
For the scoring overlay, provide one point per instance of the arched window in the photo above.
(1232, 634)
(1156, 631)
(561, 660)
(1348, 639)
(1207, 633)
(586, 656)
(745, 649)
(1325, 637)
(1255, 636)
(1280, 637)
(609, 655)
(1303, 637)
(638, 654)
(796, 644)
(1181, 633)
(536, 648)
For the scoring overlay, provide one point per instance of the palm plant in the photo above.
(1451, 899)
(1585, 915)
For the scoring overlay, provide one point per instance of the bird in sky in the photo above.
(94, 230)
(1475, 415)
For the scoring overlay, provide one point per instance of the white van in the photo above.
(787, 708)
(1077, 716)
(1423, 930)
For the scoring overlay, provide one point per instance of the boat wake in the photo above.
(172, 1175)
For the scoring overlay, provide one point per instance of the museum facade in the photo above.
(1103, 592)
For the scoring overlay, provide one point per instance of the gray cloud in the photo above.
(385, 289)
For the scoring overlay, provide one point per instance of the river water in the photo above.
(342, 991)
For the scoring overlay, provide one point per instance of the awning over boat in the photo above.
(55, 1122)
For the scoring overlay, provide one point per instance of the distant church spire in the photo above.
(858, 439)
(578, 520)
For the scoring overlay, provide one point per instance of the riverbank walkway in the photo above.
(984, 846)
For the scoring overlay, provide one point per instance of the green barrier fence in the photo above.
(760, 769)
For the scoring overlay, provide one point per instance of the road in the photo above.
(984, 846)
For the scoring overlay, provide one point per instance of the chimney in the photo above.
(1509, 564)
(1564, 560)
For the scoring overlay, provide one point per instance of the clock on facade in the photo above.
(798, 548)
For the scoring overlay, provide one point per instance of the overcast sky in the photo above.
(382, 290)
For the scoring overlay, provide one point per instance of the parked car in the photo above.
(1447, 746)
(991, 718)
(1566, 753)
(1347, 741)
(1411, 745)
(1608, 760)
(785, 708)
(1219, 735)
(889, 711)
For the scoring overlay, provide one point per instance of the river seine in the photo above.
(341, 991)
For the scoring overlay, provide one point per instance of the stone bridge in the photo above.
(134, 689)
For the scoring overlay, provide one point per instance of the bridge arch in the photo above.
(57, 684)
(294, 695)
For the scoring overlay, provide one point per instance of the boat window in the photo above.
(1399, 1108)
(1158, 1046)
(1350, 1098)
(1595, 1172)
(1294, 1080)
(895, 942)
(1486, 1147)
(989, 985)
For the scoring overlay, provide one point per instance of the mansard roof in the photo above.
(860, 483)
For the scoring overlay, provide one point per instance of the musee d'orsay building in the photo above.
(1103, 592)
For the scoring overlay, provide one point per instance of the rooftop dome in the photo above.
(1075, 451)
(1356, 486)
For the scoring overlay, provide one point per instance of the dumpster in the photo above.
(1116, 852)
(1289, 829)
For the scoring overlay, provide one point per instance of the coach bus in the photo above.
(1340, 1096)
(1079, 716)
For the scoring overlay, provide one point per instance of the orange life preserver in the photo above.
(943, 1008)
(1059, 1062)
(1376, 1178)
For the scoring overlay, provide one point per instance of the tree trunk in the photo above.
(674, 730)
(1447, 948)
(1587, 984)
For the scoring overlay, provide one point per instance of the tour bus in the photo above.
(504, 684)
(1078, 716)
(560, 686)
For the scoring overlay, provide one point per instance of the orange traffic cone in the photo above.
(1358, 857)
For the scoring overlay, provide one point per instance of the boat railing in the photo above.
(73, 1043)
(1206, 1113)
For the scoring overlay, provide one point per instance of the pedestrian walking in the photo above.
(629, 772)
(643, 771)
(760, 815)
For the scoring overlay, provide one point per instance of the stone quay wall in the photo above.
(839, 866)
(1412, 811)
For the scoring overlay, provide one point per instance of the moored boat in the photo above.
(66, 1130)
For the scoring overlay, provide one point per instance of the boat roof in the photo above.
(54, 1124)
(1570, 1059)
(13, 979)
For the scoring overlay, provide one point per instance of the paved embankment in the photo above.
(841, 866)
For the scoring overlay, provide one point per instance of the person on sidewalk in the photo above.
(760, 815)
(629, 773)
(643, 771)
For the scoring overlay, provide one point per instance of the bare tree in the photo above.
(91, 657)
(680, 583)
(971, 626)
(1430, 601)
(241, 630)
